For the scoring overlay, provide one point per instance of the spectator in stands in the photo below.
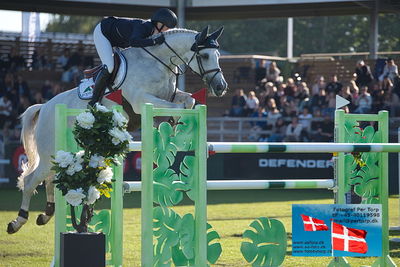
(21, 87)
(378, 98)
(305, 119)
(389, 71)
(291, 89)
(278, 131)
(55, 90)
(273, 113)
(40, 60)
(324, 130)
(72, 68)
(261, 70)
(259, 113)
(15, 62)
(238, 103)
(391, 103)
(273, 73)
(387, 84)
(24, 103)
(288, 109)
(38, 98)
(363, 102)
(346, 94)
(62, 60)
(318, 85)
(334, 85)
(46, 89)
(6, 108)
(319, 101)
(363, 74)
(270, 92)
(252, 103)
(293, 130)
(302, 95)
(330, 105)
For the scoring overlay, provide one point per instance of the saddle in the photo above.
(85, 88)
(92, 73)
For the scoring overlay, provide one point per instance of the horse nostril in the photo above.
(220, 87)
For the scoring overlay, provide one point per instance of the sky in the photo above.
(12, 20)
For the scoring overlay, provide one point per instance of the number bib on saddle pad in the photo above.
(86, 86)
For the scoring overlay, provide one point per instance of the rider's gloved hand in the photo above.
(159, 39)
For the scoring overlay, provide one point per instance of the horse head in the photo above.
(207, 61)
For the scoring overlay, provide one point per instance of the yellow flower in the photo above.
(105, 190)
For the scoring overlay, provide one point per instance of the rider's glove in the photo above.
(159, 39)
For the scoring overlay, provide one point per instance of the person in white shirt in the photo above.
(252, 103)
(305, 119)
(293, 130)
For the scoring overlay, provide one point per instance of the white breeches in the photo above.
(104, 48)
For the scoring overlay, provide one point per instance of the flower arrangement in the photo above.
(86, 176)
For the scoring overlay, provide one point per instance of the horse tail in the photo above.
(29, 119)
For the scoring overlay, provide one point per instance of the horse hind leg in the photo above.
(31, 181)
(45, 217)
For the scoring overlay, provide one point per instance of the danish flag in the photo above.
(312, 224)
(348, 239)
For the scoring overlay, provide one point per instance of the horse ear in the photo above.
(202, 36)
(215, 35)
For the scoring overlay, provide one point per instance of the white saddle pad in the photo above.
(85, 88)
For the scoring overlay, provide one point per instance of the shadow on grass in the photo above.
(10, 199)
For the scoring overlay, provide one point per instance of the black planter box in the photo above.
(82, 250)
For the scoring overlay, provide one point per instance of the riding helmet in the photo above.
(166, 17)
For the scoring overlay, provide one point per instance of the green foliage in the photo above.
(73, 24)
(268, 35)
(269, 241)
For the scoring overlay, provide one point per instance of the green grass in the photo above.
(229, 212)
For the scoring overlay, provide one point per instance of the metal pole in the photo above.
(373, 31)
(180, 7)
(290, 38)
(397, 228)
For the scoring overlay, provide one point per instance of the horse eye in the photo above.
(205, 56)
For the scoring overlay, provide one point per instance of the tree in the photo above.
(72, 24)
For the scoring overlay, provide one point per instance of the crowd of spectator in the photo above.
(293, 111)
(17, 94)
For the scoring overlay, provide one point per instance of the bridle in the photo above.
(196, 48)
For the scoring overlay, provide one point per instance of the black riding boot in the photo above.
(100, 85)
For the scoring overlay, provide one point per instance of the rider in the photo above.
(115, 32)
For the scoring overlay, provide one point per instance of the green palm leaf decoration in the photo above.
(268, 243)
(183, 252)
(188, 176)
(364, 167)
(166, 226)
(184, 133)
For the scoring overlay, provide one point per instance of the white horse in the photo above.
(147, 81)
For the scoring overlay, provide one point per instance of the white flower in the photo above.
(119, 119)
(93, 195)
(105, 176)
(101, 108)
(128, 136)
(97, 161)
(74, 197)
(64, 159)
(76, 165)
(85, 120)
(118, 136)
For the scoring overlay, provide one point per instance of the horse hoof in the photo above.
(10, 228)
(42, 219)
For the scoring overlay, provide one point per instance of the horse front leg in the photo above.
(184, 98)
